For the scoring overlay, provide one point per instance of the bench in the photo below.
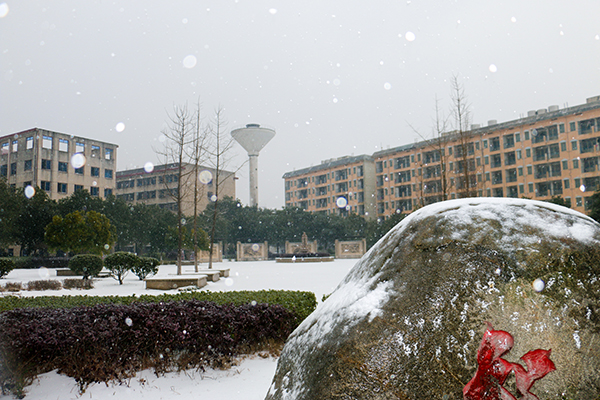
(223, 272)
(174, 282)
(211, 275)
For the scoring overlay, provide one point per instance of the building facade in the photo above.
(58, 163)
(158, 186)
(337, 186)
(549, 153)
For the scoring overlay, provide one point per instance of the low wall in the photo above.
(350, 248)
(252, 251)
(290, 247)
(217, 254)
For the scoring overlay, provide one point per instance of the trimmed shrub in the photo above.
(300, 303)
(12, 287)
(86, 265)
(78, 284)
(120, 263)
(146, 266)
(50, 284)
(6, 265)
(113, 342)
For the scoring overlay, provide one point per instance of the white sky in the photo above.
(333, 78)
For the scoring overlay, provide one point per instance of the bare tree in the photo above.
(436, 155)
(179, 134)
(219, 157)
(198, 156)
(462, 119)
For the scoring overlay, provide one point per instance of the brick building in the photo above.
(58, 163)
(339, 186)
(156, 186)
(548, 153)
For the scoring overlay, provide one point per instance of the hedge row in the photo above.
(108, 342)
(301, 304)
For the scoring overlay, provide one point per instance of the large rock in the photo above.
(408, 319)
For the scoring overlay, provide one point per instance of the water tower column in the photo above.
(253, 164)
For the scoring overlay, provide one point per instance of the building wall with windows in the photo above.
(548, 153)
(338, 186)
(159, 185)
(58, 163)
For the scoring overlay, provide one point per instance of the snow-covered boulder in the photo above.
(407, 321)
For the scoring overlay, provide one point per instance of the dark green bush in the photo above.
(6, 265)
(86, 265)
(113, 342)
(300, 303)
(120, 263)
(146, 266)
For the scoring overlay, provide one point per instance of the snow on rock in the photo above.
(407, 320)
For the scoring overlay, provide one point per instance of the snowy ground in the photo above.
(249, 380)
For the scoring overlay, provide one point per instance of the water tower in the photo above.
(253, 138)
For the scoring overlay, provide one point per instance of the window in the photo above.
(509, 141)
(572, 126)
(526, 135)
(573, 144)
(79, 147)
(3, 170)
(578, 199)
(495, 144)
(63, 166)
(95, 150)
(61, 187)
(528, 152)
(28, 165)
(520, 171)
(13, 168)
(566, 183)
(63, 145)
(518, 137)
(577, 182)
(561, 128)
(496, 177)
(79, 171)
(496, 161)
(77, 187)
(563, 146)
(4, 148)
(94, 191)
(521, 188)
(29, 145)
(15, 146)
(485, 143)
(46, 164)
(108, 173)
(576, 163)
(511, 175)
(108, 154)
(509, 158)
(530, 187)
(108, 192)
(45, 185)
(95, 171)
(529, 170)
(47, 142)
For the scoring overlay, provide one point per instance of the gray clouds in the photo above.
(333, 78)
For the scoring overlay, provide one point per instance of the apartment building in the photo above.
(58, 163)
(158, 185)
(336, 186)
(548, 153)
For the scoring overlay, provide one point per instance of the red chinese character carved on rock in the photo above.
(493, 370)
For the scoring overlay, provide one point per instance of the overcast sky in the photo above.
(333, 78)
